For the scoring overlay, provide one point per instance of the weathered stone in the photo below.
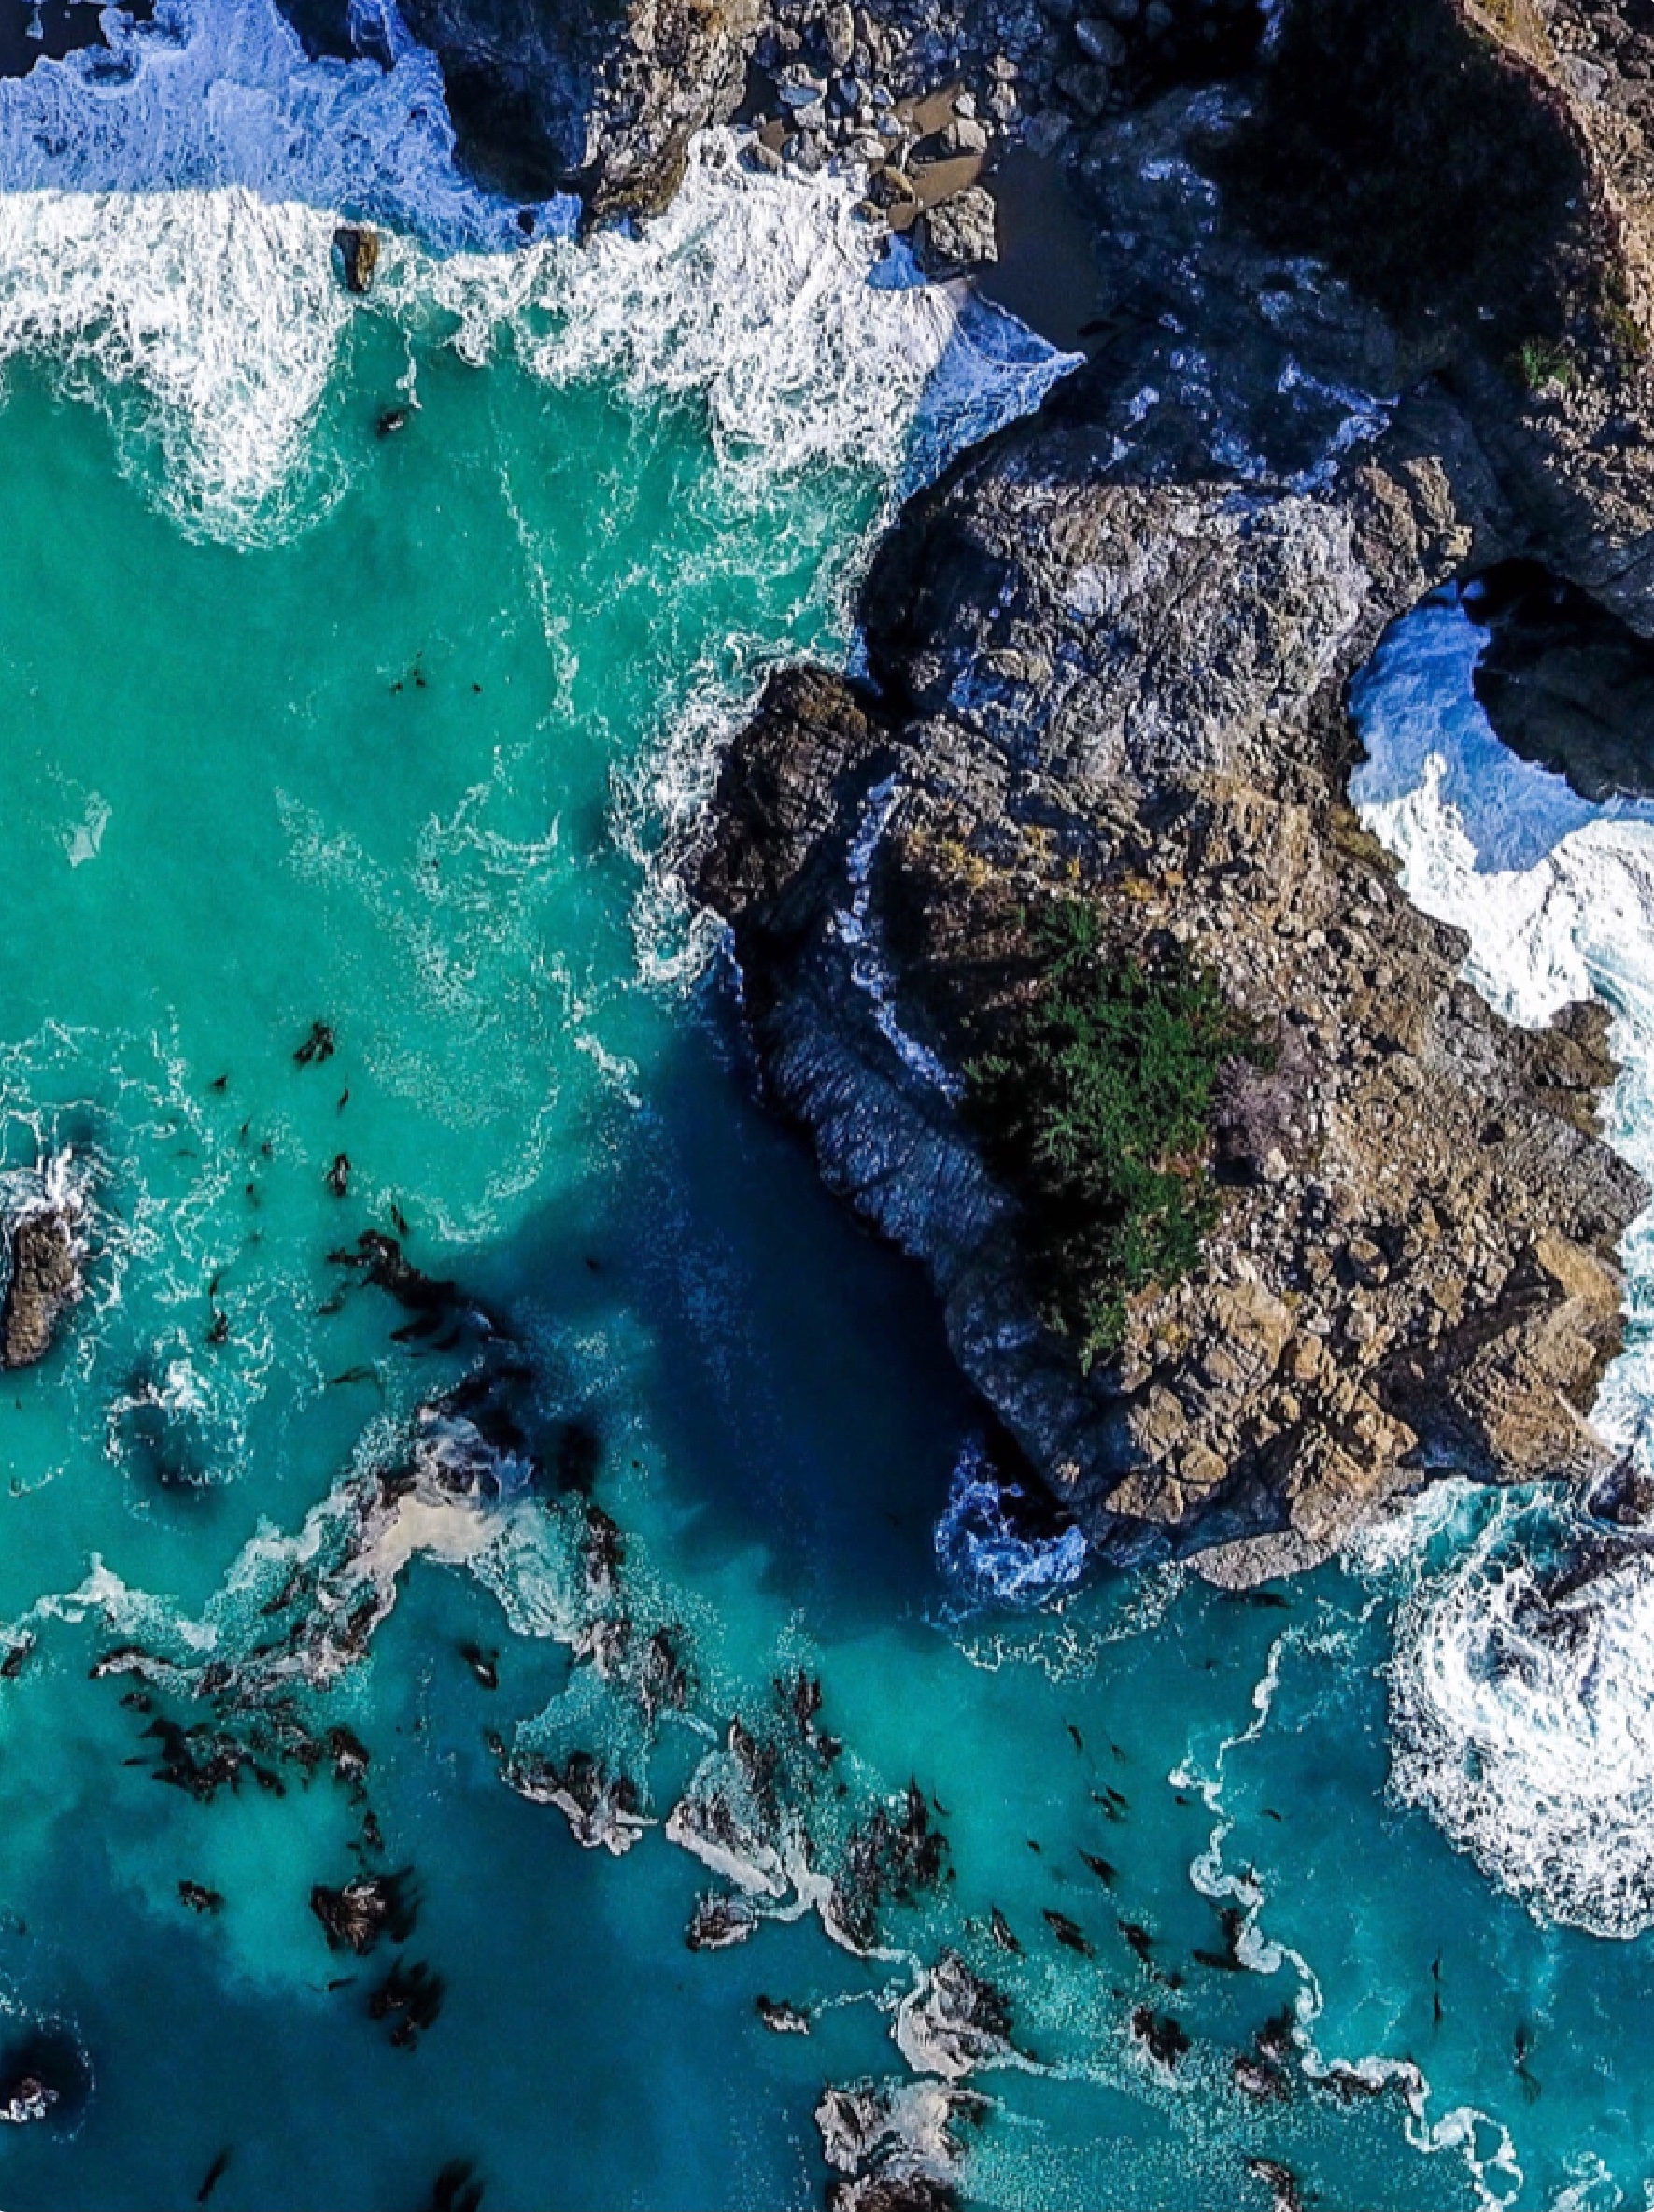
(357, 249)
(961, 232)
(45, 1258)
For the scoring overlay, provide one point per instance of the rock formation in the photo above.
(1108, 659)
(45, 1255)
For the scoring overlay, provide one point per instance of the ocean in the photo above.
(363, 660)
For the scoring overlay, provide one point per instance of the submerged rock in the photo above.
(410, 1998)
(45, 2075)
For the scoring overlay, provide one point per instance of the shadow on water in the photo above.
(796, 1371)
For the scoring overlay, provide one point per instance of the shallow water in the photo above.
(312, 724)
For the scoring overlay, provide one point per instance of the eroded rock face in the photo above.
(358, 249)
(1131, 692)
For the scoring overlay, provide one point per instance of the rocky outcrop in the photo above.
(895, 2145)
(359, 1914)
(1565, 682)
(1107, 666)
(45, 1257)
(358, 249)
(1133, 693)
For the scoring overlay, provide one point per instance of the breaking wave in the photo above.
(167, 208)
(1521, 1721)
(988, 1551)
(1519, 1703)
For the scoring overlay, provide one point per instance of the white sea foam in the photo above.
(1528, 1730)
(217, 93)
(983, 1554)
(167, 215)
(770, 304)
(1483, 2143)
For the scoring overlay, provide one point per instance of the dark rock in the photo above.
(410, 1997)
(1164, 2037)
(44, 2076)
(457, 2188)
(1260, 2079)
(1286, 2194)
(362, 1913)
(320, 1044)
(1622, 1495)
(45, 1254)
(358, 249)
(889, 1856)
(1001, 1930)
(1066, 1933)
(215, 2174)
(719, 1920)
(1564, 681)
(198, 1898)
(349, 1755)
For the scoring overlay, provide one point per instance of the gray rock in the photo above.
(1047, 133)
(1090, 668)
(838, 25)
(961, 232)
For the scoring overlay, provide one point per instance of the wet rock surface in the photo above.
(45, 1251)
(1108, 659)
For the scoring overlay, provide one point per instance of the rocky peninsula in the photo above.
(1107, 668)
(1373, 315)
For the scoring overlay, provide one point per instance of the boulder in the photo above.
(45, 1257)
(961, 232)
(357, 249)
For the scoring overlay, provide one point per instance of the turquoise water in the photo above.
(308, 723)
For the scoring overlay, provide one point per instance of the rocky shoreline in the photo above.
(1108, 661)
(1106, 668)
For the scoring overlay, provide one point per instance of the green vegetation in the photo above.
(1546, 364)
(1097, 1111)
